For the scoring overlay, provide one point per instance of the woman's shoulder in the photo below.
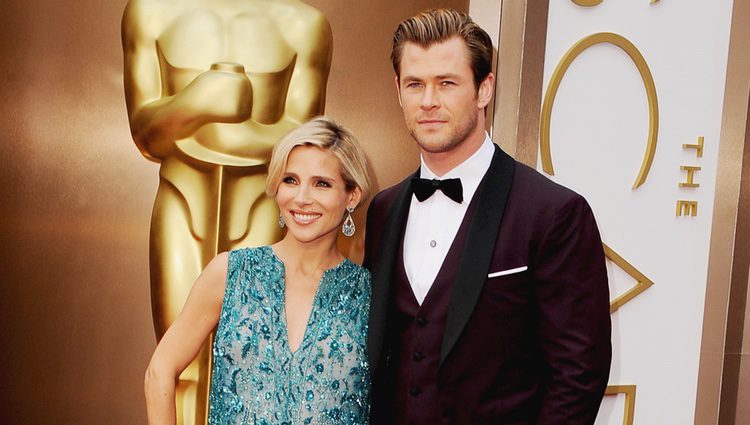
(355, 275)
(251, 254)
(251, 259)
(355, 270)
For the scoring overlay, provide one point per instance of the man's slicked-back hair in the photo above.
(438, 25)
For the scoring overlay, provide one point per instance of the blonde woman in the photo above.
(290, 318)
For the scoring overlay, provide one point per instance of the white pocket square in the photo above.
(507, 272)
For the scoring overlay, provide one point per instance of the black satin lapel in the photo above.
(383, 270)
(478, 248)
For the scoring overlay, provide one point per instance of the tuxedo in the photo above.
(514, 330)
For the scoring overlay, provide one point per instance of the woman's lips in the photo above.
(305, 217)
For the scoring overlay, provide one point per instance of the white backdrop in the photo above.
(598, 134)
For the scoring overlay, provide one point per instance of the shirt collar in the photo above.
(470, 171)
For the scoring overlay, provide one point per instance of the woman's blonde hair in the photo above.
(328, 135)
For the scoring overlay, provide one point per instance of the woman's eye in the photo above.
(289, 180)
(322, 183)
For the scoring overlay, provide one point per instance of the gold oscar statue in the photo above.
(211, 85)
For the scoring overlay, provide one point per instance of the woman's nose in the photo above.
(302, 197)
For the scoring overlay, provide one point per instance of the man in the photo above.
(490, 301)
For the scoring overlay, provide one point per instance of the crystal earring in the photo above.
(281, 221)
(348, 228)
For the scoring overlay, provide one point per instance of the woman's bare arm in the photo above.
(183, 340)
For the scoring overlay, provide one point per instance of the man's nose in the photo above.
(430, 98)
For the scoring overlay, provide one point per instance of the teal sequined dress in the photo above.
(257, 380)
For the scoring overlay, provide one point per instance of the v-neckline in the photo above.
(312, 307)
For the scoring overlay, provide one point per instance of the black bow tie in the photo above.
(424, 188)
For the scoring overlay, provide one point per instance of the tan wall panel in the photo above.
(728, 257)
(75, 317)
(520, 71)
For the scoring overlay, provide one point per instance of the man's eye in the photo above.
(413, 85)
(448, 83)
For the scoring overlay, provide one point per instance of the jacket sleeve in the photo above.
(572, 293)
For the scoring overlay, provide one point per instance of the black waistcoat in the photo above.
(416, 337)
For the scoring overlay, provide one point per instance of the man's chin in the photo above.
(435, 145)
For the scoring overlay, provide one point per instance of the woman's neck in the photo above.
(307, 258)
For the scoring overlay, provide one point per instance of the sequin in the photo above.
(258, 380)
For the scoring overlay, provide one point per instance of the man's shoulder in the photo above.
(386, 197)
(537, 202)
(532, 186)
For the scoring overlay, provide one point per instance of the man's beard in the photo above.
(457, 136)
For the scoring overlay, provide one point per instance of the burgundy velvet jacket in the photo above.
(531, 347)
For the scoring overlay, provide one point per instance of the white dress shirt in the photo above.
(432, 225)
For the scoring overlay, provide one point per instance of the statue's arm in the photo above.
(183, 340)
(156, 121)
(312, 38)
(147, 111)
(309, 34)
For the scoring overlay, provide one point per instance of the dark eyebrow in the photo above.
(448, 76)
(410, 78)
(329, 179)
(293, 174)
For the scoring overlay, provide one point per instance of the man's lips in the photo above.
(430, 123)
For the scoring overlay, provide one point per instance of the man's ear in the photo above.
(486, 88)
(398, 90)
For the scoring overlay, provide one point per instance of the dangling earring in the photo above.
(281, 221)
(348, 228)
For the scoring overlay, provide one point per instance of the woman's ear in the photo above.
(355, 196)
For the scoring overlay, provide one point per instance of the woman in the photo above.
(292, 317)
